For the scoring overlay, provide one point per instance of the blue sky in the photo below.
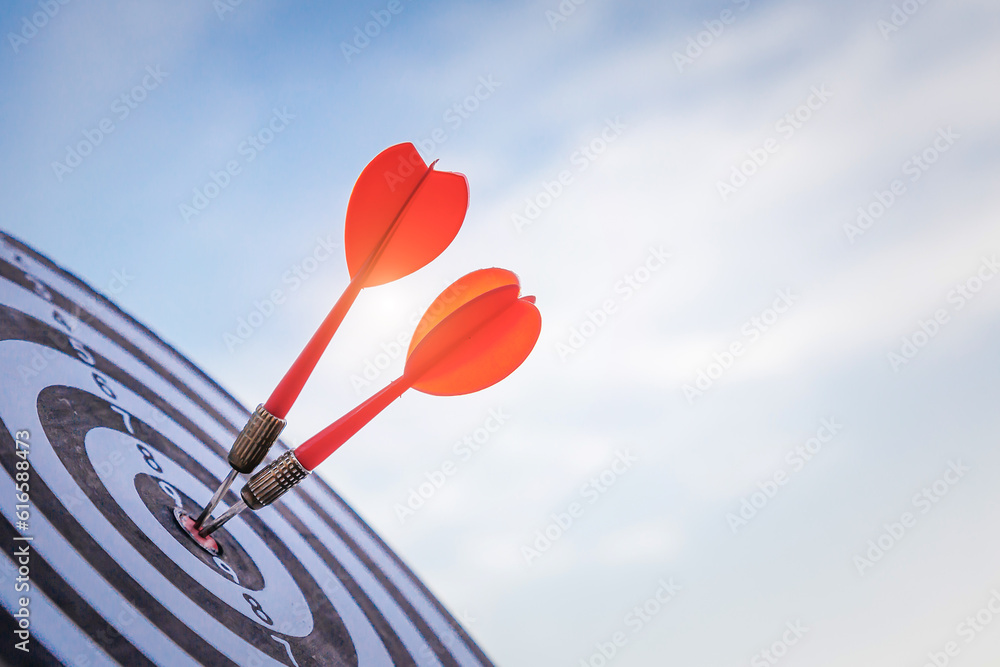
(745, 161)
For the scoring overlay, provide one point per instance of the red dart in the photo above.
(460, 346)
(401, 215)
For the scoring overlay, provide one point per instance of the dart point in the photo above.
(187, 524)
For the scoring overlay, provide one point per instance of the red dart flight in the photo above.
(476, 341)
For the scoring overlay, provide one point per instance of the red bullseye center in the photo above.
(207, 543)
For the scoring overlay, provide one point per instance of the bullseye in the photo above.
(186, 523)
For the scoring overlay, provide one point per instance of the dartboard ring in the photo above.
(121, 432)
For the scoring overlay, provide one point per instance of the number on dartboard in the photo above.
(82, 351)
(168, 489)
(126, 417)
(102, 382)
(57, 316)
(257, 609)
(39, 287)
(224, 566)
(147, 456)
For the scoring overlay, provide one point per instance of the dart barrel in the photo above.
(255, 440)
(273, 481)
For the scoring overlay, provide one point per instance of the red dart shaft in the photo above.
(284, 395)
(314, 451)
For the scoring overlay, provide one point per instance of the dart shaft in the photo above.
(315, 450)
(272, 482)
(217, 523)
(216, 497)
(290, 386)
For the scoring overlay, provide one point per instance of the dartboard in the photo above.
(106, 434)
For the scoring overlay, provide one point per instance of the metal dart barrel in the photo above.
(251, 446)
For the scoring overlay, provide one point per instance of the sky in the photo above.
(763, 238)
